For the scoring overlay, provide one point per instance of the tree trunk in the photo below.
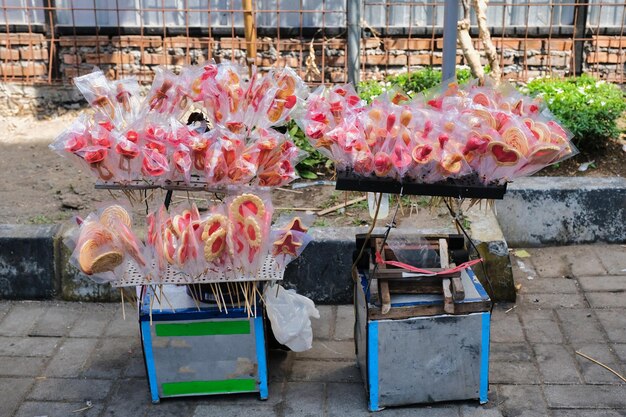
(480, 8)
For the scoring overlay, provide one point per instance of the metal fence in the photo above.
(53, 41)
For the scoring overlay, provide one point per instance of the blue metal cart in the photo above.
(201, 352)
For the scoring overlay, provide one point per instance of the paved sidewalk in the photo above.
(55, 356)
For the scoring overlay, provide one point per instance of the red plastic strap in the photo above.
(379, 260)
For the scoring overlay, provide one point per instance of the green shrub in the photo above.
(411, 83)
(587, 107)
(314, 160)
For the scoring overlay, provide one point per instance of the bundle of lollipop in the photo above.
(105, 241)
(127, 138)
(233, 241)
(495, 133)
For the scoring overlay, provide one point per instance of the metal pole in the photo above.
(580, 32)
(450, 21)
(353, 9)
(249, 32)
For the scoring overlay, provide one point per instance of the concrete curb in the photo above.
(322, 273)
(28, 261)
(539, 211)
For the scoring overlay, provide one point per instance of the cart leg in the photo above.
(146, 337)
(259, 334)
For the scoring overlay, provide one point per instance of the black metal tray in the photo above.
(465, 187)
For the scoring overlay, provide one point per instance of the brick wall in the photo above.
(606, 56)
(25, 57)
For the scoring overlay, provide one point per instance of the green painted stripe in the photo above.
(208, 387)
(206, 328)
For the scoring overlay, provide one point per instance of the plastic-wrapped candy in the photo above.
(278, 166)
(290, 90)
(156, 260)
(105, 241)
(214, 237)
(289, 241)
(250, 218)
(97, 91)
(128, 155)
(97, 252)
(116, 218)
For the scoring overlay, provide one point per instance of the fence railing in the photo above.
(52, 41)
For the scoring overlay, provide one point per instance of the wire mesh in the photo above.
(53, 41)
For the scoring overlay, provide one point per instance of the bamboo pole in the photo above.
(249, 28)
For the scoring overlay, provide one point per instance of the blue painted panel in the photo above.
(484, 357)
(259, 334)
(151, 369)
(372, 364)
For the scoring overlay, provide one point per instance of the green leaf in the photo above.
(309, 175)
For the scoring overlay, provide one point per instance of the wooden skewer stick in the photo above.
(123, 310)
(342, 205)
(602, 365)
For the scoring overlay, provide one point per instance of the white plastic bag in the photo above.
(290, 315)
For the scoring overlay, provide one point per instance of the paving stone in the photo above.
(70, 359)
(552, 300)
(131, 397)
(111, 356)
(580, 325)
(234, 405)
(5, 306)
(556, 364)
(80, 390)
(21, 318)
(513, 373)
(344, 323)
(121, 328)
(606, 299)
(56, 409)
(548, 285)
(584, 261)
(346, 400)
(423, 410)
(325, 371)
(304, 399)
(57, 321)
(614, 322)
(603, 283)
(513, 352)
(550, 262)
(93, 321)
(280, 364)
(593, 373)
(522, 268)
(518, 400)
(506, 327)
(588, 413)
(620, 351)
(541, 326)
(613, 258)
(585, 396)
(478, 410)
(258, 409)
(322, 327)
(27, 346)
(350, 400)
(18, 366)
(178, 407)
(329, 349)
(12, 390)
(136, 367)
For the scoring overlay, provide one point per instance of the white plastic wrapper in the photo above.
(290, 315)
